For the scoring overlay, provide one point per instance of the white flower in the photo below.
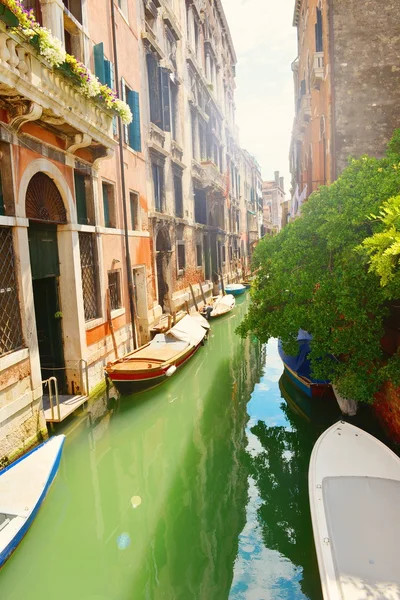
(123, 110)
(50, 47)
(91, 86)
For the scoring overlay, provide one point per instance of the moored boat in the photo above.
(354, 488)
(155, 362)
(23, 487)
(298, 368)
(221, 306)
(236, 289)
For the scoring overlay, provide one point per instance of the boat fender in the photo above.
(170, 371)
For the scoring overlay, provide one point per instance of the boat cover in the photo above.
(188, 330)
(364, 531)
(222, 305)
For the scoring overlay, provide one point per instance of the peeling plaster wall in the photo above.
(366, 76)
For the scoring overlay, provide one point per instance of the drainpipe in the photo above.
(123, 185)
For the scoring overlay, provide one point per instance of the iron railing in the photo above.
(88, 273)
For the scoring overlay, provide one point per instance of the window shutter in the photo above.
(99, 69)
(165, 99)
(80, 195)
(124, 98)
(106, 207)
(107, 73)
(135, 140)
(154, 90)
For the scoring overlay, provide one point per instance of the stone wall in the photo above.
(366, 73)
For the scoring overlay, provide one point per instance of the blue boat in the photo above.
(298, 368)
(23, 487)
(236, 289)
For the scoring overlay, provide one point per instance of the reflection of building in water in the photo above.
(280, 471)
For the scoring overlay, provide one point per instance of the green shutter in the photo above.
(135, 140)
(99, 65)
(80, 195)
(107, 74)
(106, 207)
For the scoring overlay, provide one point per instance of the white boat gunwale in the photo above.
(29, 516)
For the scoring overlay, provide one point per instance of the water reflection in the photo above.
(277, 556)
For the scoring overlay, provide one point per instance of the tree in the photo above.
(316, 275)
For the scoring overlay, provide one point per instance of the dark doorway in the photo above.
(45, 273)
(48, 326)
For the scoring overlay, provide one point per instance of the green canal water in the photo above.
(195, 490)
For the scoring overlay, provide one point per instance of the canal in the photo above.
(195, 490)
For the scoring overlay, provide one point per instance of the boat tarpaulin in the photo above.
(188, 330)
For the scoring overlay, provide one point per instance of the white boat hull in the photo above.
(23, 487)
(354, 487)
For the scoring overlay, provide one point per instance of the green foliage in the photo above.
(313, 276)
(383, 248)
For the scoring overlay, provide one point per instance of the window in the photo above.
(132, 133)
(181, 258)
(158, 184)
(89, 275)
(123, 6)
(223, 248)
(200, 206)
(73, 36)
(174, 110)
(318, 32)
(75, 8)
(81, 200)
(193, 123)
(199, 255)
(10, 318)
(135, 210)
(114, 286)
(159, 93)
(178, 195)
(109, 205)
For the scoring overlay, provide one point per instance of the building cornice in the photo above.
(296, 13)
(221, 11)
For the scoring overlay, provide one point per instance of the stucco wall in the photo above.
(366, 76)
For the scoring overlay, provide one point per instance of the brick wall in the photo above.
(366, 75)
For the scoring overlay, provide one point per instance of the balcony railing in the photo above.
(31, 90)
(212, 177)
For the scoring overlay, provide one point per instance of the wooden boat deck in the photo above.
(68, 405)
(149, 357)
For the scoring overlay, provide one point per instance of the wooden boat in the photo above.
(23, 487)
(298, 369)
(236, 289)
(247, 284)
(153, 363)
(354, 487)
(220, 306)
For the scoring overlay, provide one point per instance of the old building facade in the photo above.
(64, 270)
(198, 217)
(103, 226)
(275, 205)
(346, 86)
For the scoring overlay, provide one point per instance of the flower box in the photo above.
(8, 17)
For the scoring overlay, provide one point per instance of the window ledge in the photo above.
(93, 323)
(13, 358)
(118, 312)
(7, 221)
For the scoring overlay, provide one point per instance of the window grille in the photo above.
(89, 276)
(10, 317)
(114, 285)
(199, 255)
(181, 256)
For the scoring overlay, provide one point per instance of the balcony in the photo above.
(317, 73)
(212, 178)
(31, 90)
(304, 114)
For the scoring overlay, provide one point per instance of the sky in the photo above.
(265, 44)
